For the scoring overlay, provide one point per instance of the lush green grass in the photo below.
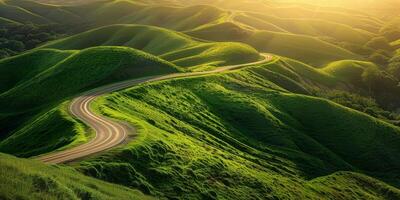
(33, 84)
(349, 71)
(213, 54)
(318, 27)
(291, 31)
(304, 48)
(53, 14)
(246, 137)
(293, 9)
(268, 33)
(176, 18)
(19, 14)
(153, 40)
(47, 131)
(81, 71)
(27, 179)
(21, 68)
(170, 45)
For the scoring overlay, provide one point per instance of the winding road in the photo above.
(109, 133)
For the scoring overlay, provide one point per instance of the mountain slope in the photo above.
(85, 69)
(244, 126)
(304, 48)
(170, 45)
(40, 80)
(26, 179)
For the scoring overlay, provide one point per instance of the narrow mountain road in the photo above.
(110, 133)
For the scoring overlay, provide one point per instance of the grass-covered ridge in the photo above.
(305, 48)
(27, 179)
(350, 71)
(280, 28)
(86, 69)
(173, 46)
(38, 81)
(45, 132)
(247, 136)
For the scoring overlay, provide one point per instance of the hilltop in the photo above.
(173, 46)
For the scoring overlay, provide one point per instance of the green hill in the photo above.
(348, 70)
(27, 179)
(80, 71)
(39, 80)
(19, 14)
(24, 11)
(318, 27)
(304, 48)
(21, 68)
(244, 126)
(154, 40)
(38, 133)
(170, 45)
(176, 18)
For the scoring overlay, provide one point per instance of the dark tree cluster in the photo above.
(367, 105)
(17, 38)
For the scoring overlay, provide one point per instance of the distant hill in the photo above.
(173, 46)
(340, 32)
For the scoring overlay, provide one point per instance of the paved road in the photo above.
(108, 132)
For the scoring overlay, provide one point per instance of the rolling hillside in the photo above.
(283, 30)
(54, 82)
(348, 70)
(46, 77)
(241, 126)
(305, 48)
(26, 179)
(173, 46)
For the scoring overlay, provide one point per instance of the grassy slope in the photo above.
(27, 179)
(176, 18)
(170, 45)
(247, 137)
(348, 70)
(154, 40)
(340, 15)
(305, 48)
(45, 132)
(357, 29)
(83, 70)
(25, 66)
(41, 79)
(30, 11)
(318, 27)
(19, 14)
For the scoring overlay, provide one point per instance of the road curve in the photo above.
(109, 133)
